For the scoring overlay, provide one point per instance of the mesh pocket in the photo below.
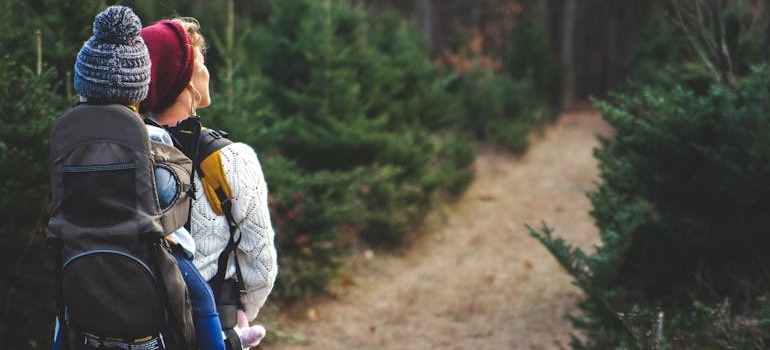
(99, 195)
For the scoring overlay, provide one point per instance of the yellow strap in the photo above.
(214, 178)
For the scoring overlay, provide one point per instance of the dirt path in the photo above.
(476, 279)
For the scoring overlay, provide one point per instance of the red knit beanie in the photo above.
(172, 60)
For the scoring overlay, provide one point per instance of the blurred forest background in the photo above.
(365, 115)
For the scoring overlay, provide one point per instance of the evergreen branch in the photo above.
(573, 259)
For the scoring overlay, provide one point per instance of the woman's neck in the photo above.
(175, 113)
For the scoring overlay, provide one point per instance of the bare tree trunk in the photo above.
(39, 49)
(424, 13)
(723, 56)
(568, 54)
(766, 16)
(230, 43)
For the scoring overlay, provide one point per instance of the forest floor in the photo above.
(474, 279)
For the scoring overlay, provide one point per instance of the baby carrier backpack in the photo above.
(117, 285)
(204, 149)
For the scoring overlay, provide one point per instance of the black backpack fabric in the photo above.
(117, 284)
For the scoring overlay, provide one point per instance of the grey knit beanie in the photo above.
(114, 65)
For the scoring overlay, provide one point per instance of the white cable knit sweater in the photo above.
(256, 251)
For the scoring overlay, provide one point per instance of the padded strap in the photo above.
(210, 168)
(212, 175)
(211, 141)
(219, 195)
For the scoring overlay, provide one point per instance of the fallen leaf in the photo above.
(528, 265)
(312, 314)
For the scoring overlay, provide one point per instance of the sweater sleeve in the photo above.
(256, 251)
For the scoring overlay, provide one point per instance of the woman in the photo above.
(179, 86)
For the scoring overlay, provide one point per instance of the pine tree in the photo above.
(682, 213)
(30, 99)
(681, 207)
(354, 125)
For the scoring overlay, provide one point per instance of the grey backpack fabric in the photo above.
(116, 280)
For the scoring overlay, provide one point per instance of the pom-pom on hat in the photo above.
(173, 60)
(114, 65)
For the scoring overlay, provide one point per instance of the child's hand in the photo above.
(250, 335)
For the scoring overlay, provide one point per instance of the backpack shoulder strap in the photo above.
(210, 169)
(211, 141)
(219, 195)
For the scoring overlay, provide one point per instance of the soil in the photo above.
(475, 279)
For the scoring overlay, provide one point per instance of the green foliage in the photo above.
(353, 95)
(454, 167)
(499, 109)
(682, 213)
(355, 127)
(357, 131)
(30, 104)
(501, 99)
(680, 205)
(676, 51)
(659, 57)
(701, 161)
(64, 27)
(25, 282)
(313, 236)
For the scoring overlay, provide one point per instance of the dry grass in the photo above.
(475, 279)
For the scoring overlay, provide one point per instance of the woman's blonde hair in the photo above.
(193, 29)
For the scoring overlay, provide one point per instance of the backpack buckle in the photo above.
(218, 134)
(150, 342)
